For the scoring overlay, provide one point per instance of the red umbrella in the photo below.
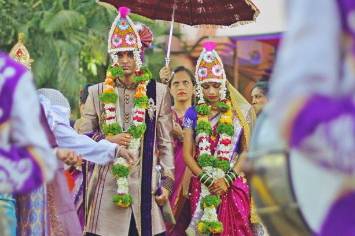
(192, 12)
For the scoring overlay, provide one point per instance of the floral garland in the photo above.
(109, 97)
(214, 166)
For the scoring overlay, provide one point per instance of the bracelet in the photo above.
(230, 176)
(202, 176)
(210, 183)
(233, 174)
(206, 179)
(227, 182)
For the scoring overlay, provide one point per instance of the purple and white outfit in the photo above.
(313, 93)
(26, 159)
(53, 205)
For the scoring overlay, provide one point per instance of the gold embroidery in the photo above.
(56, 227)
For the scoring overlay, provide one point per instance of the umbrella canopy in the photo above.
(194, 12)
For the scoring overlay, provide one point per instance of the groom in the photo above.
(143, 217)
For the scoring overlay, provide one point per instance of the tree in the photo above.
(67, 39)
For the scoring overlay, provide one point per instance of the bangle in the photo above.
(206, 179)
(231, 176)
(227, 182)
(229, 179)
(209, 182)
(203, 176)
(233, 173)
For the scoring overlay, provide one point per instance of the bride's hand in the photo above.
(219, 187)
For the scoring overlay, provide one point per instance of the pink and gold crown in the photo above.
(20, 53)
(209, 67)
(123, 35)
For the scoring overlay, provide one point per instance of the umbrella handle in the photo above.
(167, 58)
(167, 61)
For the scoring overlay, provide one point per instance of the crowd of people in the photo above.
(151, 158)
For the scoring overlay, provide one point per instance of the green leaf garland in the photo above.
(120, 171)
(225, 129)
(111, 129)
(116, 71)
(204, 127)
(203, 109)
(108, 98)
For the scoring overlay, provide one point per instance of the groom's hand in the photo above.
(163, 197)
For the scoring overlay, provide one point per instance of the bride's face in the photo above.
(211, 91)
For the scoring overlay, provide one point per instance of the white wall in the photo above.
(270, 20)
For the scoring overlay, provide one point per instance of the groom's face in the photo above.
(126, 60)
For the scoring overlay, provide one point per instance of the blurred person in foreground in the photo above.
(316, 116)
(27, 161)
(37, 211)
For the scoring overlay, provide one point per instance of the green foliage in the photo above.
(122, 200)
(223, 164)
(120, 171)
(223, 107)
(213, 227)
(146, 76)
(137, 131)
(141, 102)
(210, 200)
(116, 71)
(225, 129)
(205, 160)
(111, 129)
(108, 98)
(204, 127)
(68, 41)
(203, 109)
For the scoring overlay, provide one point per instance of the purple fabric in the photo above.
(190, 115)
(257, 37)
(180, 206)
(234, 210)
(340, 218)
(60, 201)
(9, 87)
(179, 166)
(147, 166)
(62, 212)
(14, 155)
(318, 109)
(347, 7)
